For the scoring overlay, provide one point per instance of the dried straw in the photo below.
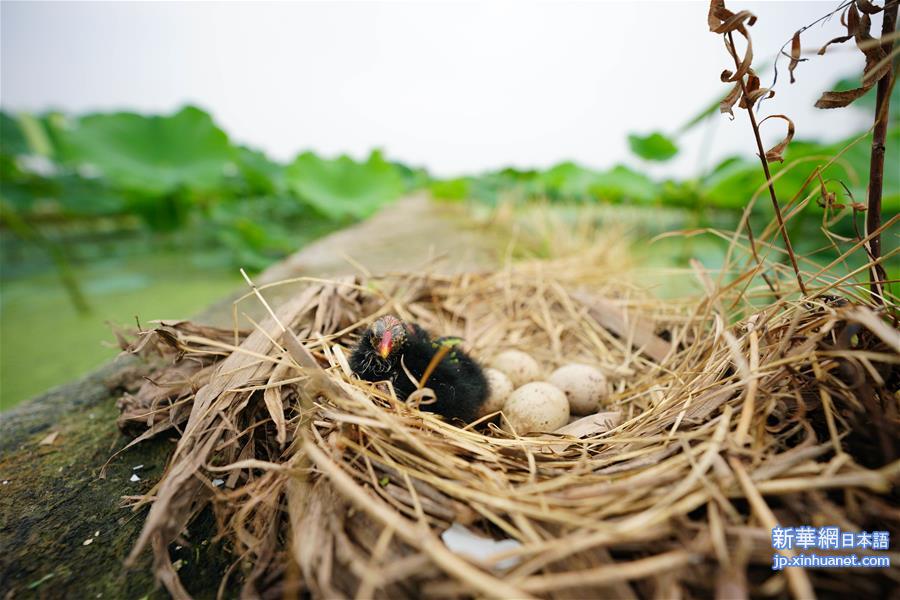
(729, 413)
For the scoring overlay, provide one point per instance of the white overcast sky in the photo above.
(457, 87)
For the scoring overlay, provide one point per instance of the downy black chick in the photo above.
(390, 344)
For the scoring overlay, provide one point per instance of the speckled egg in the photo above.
(518, 366)
(536, 406)
(500, 388)
(584, 387)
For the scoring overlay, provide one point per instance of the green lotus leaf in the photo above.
(450, 190)
(262, 175)
(342, 188)
(12, 139)
(151, 155)
(567, 180)
(655, 146)
(623, 184)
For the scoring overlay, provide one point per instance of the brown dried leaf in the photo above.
(754, 91)
(776, 152)
(840, 99)
(728, 102)
(590, 425)
(867, 7)
(594, 424)
(795, 55)
(713, 18)
(876, 65)
(272, 396)
(853, 20)
(838, 40)
(826, 199)
(722, 20)
(615, 318)
(744, 67)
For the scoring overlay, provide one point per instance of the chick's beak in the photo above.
(385, 345)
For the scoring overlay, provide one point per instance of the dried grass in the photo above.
(735, 411)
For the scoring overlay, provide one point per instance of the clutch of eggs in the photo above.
(530, 403)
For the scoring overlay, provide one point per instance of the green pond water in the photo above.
(45, 342)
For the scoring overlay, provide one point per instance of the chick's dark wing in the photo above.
(460, 387)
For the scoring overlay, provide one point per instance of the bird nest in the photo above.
(727, 415)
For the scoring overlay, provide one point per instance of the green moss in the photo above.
(53, 500)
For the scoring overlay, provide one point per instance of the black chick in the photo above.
(458, 382)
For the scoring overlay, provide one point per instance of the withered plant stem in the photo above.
(876, 163)
(768, 174)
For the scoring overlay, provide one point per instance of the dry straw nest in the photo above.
(731, 412)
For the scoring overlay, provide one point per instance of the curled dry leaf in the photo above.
(728, 102)
(867, 7)
(838, 40)
(858, 26)
(743, 63)
(723, 21)
(834, 99)
(827, 199)
(795, 55)
(754, 91)
(776, 152)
